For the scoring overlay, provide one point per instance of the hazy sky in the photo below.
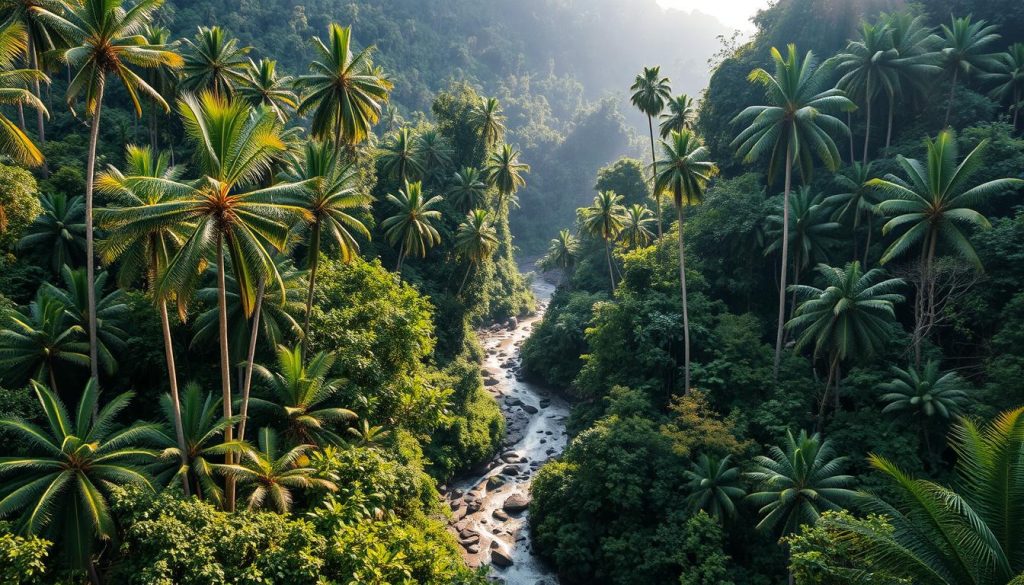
(732, 13)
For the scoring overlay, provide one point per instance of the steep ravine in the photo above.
(489, 505)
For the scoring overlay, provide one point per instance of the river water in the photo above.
(491, 529)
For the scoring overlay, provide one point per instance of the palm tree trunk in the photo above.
(172, 379)
(40, 123)
(686, 316)
(608, 255)
(251, 357)
(952, 93)
(464, 279)
(21, 117)
(90, 257)
(867, 124)
(654, 174)
(867, 246)
(401, 258)
(888, 132)
(225, 367)
(53, 379)
(314, 262)
(785, 258)
(796, 281)
(833, 363)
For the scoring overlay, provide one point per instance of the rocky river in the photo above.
(490, 506)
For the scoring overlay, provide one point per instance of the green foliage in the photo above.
(19, 204)
(22, 559)
(820, 556)
(625, 177)
(553, 351)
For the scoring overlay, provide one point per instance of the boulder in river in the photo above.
(516, 503)
(500, 558)
(530, 409)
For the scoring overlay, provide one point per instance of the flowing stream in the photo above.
(489, 504)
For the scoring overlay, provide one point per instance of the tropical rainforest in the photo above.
(262, 266)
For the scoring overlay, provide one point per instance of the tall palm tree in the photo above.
(61, 488)
(262, 86)
(273, 474)
(651, 92)
(715, 486)
(604, 220)
(917, 59)
(344, 91)
(58, 235)
(14, 41)
(1008, 75)
(475, 240)
(636, 228)
(796, 129)
(234, 150)
(848, 319)
(40, 38)
(505, 172)
(965, 52)
(333, 194)
(856, 203)
(214, 62)
(37, 340)
(147, 251)
(163, 79)
(435, 153)
(486, 116)
(413, 224)
(686, 169)
(299, 396)
(111, 311)
(562, 253)
(798, 482)
(468, 190)
(969, 535)
(105, 42)
(400, 158)
(935, 196)
(679, 117)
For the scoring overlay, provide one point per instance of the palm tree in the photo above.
(487, 118)
(105, 42)
(468, 190)
(261, 86)
(400, 158)
(715, 487)
(926, 395)
(848, 319)
(636, 231)
(604, 220)
(163, 79)
(203, 429)
(650, 93)
(435, 153)
(928, 205)
(14, 41)
(234, 149)
(795, 129)
(367, 435)
(812, 235)
(686, 171)
(505, 173)
(971, 535)
(333, 193)
(916, 63)
(679, 117)
(798, 481)
(562, 253)
(37, 340)
(299, 393)
(856, 203)
(475, 240)
(964, 52)
(40, 38)
(58, 234)
(273, 474)
(148, 251)
(345, 92)
(1008, 75)
(61, 488)
(413, 224)
(214, 62)
(111, 311)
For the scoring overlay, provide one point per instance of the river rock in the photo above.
(500, 558)
(530, 409)
(510, 470)
(495, 482)
(473, 549)
(500, 515)
(491, 381)
(516, 503)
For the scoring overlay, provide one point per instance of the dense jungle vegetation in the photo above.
(244, 247)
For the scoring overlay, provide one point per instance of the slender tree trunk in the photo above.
(931, 284)
(654, 174)
(90, 256)
(796, 282)
(608, 255)
(952, 93)
(785, 259)
(53, 379)
(40, 123)
(920, 303)
(251, 358)
(464, 279)
(314, 263)
(833, 363)
(172, 380)
(225, 367)
(401, 258)
(21, 116)
(867, 125)
(888, 131)
(682, 284)
(1016, 107)
(867, 246)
